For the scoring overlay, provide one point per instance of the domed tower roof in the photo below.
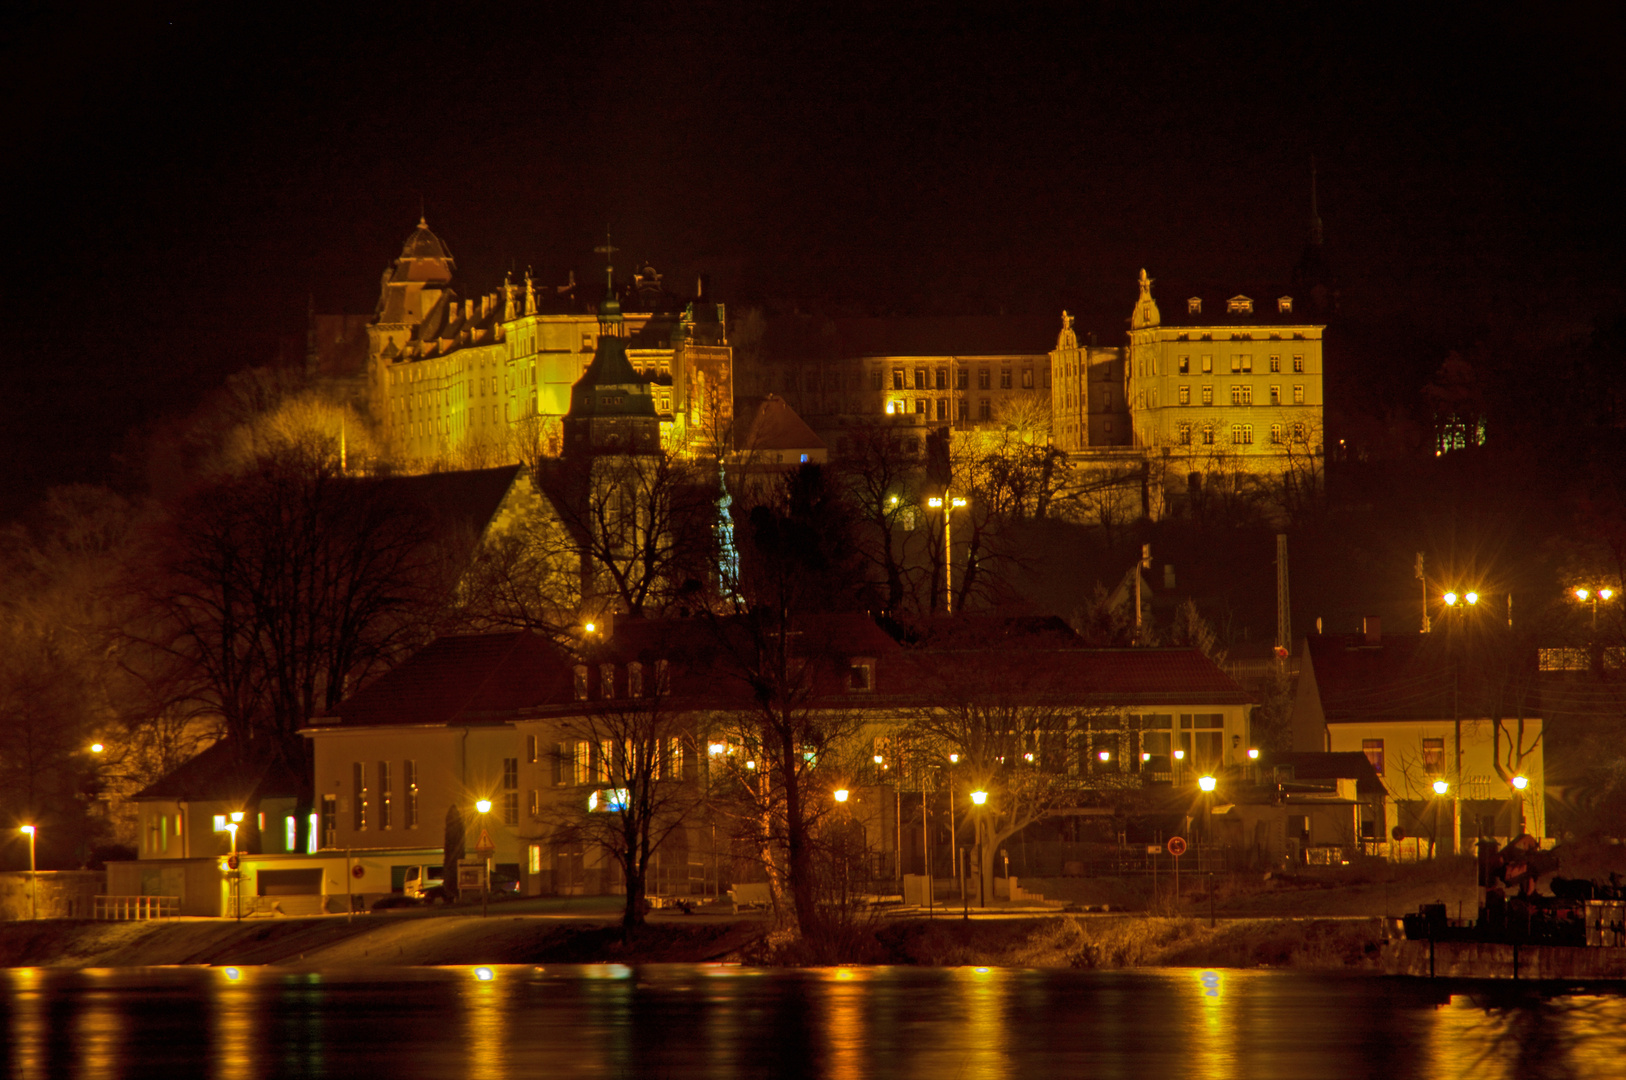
(423, 257)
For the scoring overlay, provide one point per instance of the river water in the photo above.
(682, 1021)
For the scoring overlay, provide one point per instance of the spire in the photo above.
(609, 311)
(1315, 217)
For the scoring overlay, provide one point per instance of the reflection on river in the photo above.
(700, 1021)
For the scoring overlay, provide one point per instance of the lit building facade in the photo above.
(1236, 377)
(487, 380)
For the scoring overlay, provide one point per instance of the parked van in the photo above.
(420, 880)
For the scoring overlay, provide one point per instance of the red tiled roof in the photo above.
(771, 424)
(468, 678)
(1406, 677)
(220, 774)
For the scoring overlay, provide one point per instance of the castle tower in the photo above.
(410, 289)
(612, 408)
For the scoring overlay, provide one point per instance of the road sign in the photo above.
(1177, 846)
(485, 843)
(1154, 849)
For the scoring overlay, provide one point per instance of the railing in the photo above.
(134, 908)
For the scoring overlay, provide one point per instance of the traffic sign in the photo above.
(485, 843)
(1177, 846)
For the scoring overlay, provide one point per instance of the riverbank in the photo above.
(402, 939)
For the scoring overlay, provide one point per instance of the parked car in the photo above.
(423, 882)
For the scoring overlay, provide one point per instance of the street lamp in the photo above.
(948, 503)
(232, 865)
(33, 876)
(484, 808)
(1440, 788)
(841, 794)
(1207, 783)
(979, 799)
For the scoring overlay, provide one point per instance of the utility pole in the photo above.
(1145, 563)
(1284, 607)
(1417, 570)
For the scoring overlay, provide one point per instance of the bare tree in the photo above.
(642, 757)
(886, 488)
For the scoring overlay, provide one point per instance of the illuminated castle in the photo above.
(471, 381)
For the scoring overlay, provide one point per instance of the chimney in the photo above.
(468, 309)
(1372, 628)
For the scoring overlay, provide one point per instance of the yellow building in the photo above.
(482, 381)
(1088, 405)
(1225, 379)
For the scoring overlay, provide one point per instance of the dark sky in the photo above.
(183, 176)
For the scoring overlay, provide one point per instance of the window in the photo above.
(1106, 400)
(534, 858)
(965, 409)
(581, 682)
(1027, 378)
(1298, 365)
(1373, 749)
(1208, 395)
(635, 670)
(582, 762)
(875, 379)
(358, 787)
(561, 768)
(1208, 365)
(1194, 305)
(942, 408)
(920, 378)
(1433, 755)
(530, 749)
(606, 681)
(1185, 395)
(1208, 434)
(1107, 428)
(1247, 363)
(1239, 305)
(536, 803)
(1298, 431)
(409, 776)
(860, 676)
(1236, 363)
(1284, 306)
(1202, 736)
(962, 379)
(984, 378)
(1276, 364)
(1276, 434)
(1275, 395)
(1298, 395)
(984, 410)
(510, 774)
(897, 378)
(510, 808)
(663, 677)
(1247, 395)
(1241, 434)
(1185, 434)
(920, 406)
(1236, 395)
(1004, 378)
(384, 795)
(942, 378)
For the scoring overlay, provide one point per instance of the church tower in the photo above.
(421, 275)
(612, 407)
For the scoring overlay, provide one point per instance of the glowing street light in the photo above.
(483, 806)
(1450, 599)
(1253, 753)
(1207, 783)
(96, 748)
(33, 877)
(715, 749)
(1105, 755)
(979, 797)
(1441, 787)
(1520, 782)
(1179, 755)
(841, 794)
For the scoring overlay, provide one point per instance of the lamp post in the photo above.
(948, 503)
(33, 876)
(1593, 595)
(484, 808)
(1518, 784)
(232, 865)
(954, 844)
(979, 799)
(1440, 788)
(1468, 600)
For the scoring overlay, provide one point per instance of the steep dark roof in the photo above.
(220, 774)
(467, 678)
(610, 386)
(423, 244)
(1173, 299)
(1411, 677)
(770, 424)
(466, 500)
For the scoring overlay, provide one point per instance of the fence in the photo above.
(135, 908)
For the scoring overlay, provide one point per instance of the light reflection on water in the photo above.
(844, 1023)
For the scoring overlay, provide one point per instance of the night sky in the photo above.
(183, 177)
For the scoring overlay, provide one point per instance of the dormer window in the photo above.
(1284, 305)
(581, 682)
(635, 679)
(1194, 305)
(861, 675)
(606, 681)
(1239, 305)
